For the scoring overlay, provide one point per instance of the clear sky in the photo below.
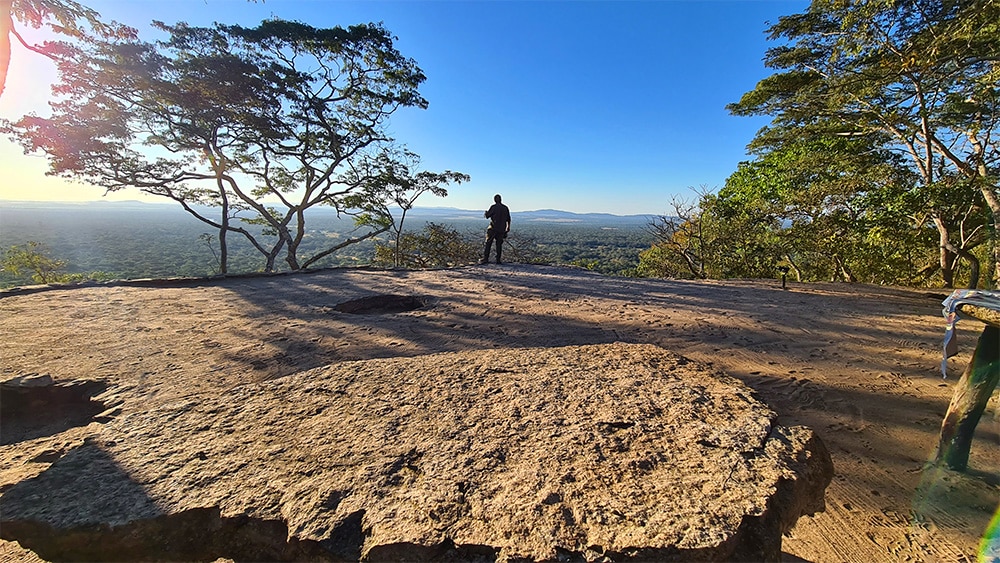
(582, 106)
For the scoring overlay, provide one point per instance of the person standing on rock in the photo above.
(499, 216)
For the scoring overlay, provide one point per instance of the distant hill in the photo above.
(444, 214)
(416, 215)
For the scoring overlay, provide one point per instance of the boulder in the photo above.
(592, 453)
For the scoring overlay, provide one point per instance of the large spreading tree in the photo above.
(246, 128)
(918, 78)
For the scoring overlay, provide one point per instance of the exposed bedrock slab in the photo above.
(605, 452)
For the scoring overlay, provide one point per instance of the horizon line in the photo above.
(416, 207)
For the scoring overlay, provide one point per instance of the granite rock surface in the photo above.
(597, 452)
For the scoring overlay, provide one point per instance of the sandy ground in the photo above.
(858, 364)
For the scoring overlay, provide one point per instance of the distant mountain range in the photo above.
(539, 216)
(434, 214)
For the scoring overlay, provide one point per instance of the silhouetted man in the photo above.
(499, 217)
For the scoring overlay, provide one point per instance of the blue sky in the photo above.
(581, 106)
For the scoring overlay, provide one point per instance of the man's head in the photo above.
(496, 198)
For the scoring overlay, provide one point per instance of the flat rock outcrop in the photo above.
(598, 453)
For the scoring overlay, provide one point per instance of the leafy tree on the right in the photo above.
(882, 111)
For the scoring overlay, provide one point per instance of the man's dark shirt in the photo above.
(499, 216)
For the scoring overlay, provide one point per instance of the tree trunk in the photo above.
(969, 257)
(269, 259)
(973, 270)
(6, 28)
(795, 267)
(693, 264)
(947, 273)
(846, 271)
(223, 244)
(399, 235)
(841, 270)
(291, 256)
(947, 256)
(989, 193)
(972, 392)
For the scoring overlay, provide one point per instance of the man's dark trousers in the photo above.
(492, 236)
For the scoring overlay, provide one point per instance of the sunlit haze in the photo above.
(581, 106)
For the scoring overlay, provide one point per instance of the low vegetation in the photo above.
(32, 260)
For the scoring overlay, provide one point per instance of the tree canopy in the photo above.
(912, 85)
(246, 128)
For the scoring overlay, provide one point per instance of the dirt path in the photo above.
(859, 364)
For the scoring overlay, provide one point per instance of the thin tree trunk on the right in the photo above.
(972, 392)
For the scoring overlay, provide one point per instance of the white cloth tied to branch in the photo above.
(986, 299)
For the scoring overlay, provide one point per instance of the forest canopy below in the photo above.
(129, 240)
(106, 240)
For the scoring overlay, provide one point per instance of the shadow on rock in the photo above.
(36, 406)
(85, 507)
